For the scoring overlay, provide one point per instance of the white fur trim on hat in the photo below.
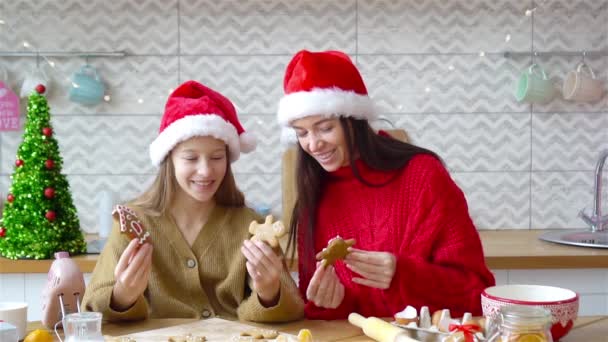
(329, 102)
(193, 126)
(288, 136)
(248, 142)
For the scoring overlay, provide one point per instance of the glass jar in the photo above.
(522, 324)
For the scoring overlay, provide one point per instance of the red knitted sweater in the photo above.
(422, 218)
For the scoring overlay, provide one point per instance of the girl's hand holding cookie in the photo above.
(264, 267)
(325, 288)
(376, 268)
(131, 274)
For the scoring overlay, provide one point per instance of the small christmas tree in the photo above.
(39, 217)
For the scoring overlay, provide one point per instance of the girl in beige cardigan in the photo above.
(197, 261)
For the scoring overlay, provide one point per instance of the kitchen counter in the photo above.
(591, 329)
(504, 249)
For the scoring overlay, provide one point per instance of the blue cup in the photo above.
(87, 88)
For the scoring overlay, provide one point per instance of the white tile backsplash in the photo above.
(435, 68)
(582, 281)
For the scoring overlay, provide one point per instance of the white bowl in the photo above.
(15, 313)
(562, 303)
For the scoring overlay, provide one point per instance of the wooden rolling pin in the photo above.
(379, 330)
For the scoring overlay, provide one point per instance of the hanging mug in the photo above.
(534, 86)
(35, 77)
(86, 88)
(582, 87)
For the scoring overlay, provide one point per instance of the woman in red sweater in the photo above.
(415, 241)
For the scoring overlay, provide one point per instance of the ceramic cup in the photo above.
(15, 313)
(87, 87)
(582, 86)
(534, 87)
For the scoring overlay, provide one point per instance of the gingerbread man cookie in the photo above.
(130, 224)
(259, 334)
(337, 248)
(268, 231)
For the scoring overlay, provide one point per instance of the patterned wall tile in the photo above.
(261, 190)
(472, 142)
(266, 27)
(571, 25)
(85, 189)
(267, 155)
(253, 83)
(557, 197)
(102, 145)
(497, 200)
(137, 27)
(557, 69)
(442, 83)
(436, 26)
(568, 141)
(16, 70)
(8, 150)
(135, 85)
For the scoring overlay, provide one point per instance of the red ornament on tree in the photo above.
(47, 131)
(2, 232)
(49, 193)
(49, 163)
(50, 215)
(19, 162)
(10, 198)
(40, 89)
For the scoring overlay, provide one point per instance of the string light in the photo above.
(26, 44)
(530, 11)
(482, 54)
(140, 100)
(508, 38)
(107, 98)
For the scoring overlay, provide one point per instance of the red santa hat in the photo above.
(195, 110)
(323, 83)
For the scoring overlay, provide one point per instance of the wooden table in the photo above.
(586, 329)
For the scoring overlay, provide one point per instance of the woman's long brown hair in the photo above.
(376, 151)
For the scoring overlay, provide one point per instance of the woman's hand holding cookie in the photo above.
(264, 267)
(376, 268)
(131, 273)
(325, 288)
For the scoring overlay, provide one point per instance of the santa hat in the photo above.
(323, 83)
(195, 110)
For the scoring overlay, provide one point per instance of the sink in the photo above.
(578, 237)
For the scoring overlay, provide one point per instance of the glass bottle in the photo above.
(522, 324)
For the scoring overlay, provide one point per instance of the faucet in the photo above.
(596, 220)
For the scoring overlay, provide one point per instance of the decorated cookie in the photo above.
(337, 248)
(259, 334)
(187, 338)
(268, 231)
(130, 224)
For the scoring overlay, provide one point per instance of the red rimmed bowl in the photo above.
(562, 303)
